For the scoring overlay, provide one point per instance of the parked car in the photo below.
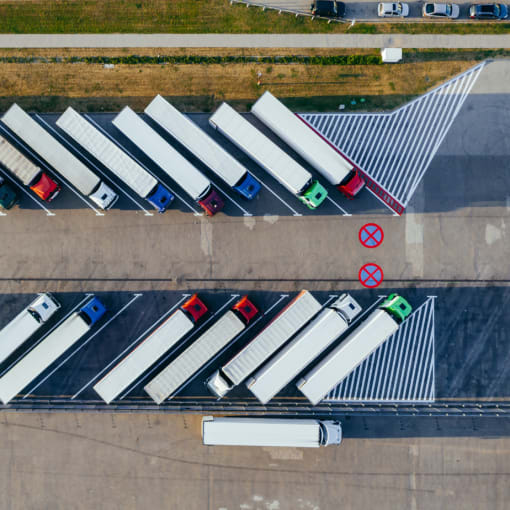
(488, 11)
(328, 8)
(392, 10)
(440, 10)
(8, 195)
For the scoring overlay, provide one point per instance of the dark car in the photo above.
(8, 195)
(488, 11)
(328, 9)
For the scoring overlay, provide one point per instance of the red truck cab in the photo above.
(245, 309)
(45, 187)
(194, 308)
(352, 184)
(212, 202)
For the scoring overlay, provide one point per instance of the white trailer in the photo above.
(60, 159)
(288, 172)
(286, 324)
(46, 352)
(308, 144)
(364, 340)
(208, 345)
(140, 359)
(26, 323)
(203, 147)
(279, 371)
(189, 178)
(17, 163)
(270, 432)
(113, 158)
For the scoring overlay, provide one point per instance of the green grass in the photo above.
(192, 16)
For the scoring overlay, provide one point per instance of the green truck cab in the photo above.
(397, 307)
(314, 195)
(8, 195)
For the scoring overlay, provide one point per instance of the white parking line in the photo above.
(143, 335)
(136, 296)
(52, 329)
(195, 212)
(294, 212)
(344, 212)
(168, 354)
(245, 212)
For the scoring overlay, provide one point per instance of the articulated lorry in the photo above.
(285, 325)
(288, 172)
(26, 323)
(60, 159)
(365, 339)
(190, 179)
(270, 432)
(50, 349)
(209, 344)
(282, 368)
(311, 146)
(29, 174)
(140, 359)
(115, 159)
(199, 143)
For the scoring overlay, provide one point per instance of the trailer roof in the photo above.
(105, 151)
(261, 149)
(191, 180)
(51, 150)
(17, 163)
(196, 140)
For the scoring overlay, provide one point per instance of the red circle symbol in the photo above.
(371, 275)
(371, 235)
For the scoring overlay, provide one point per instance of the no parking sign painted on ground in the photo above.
(371, 235)
(370, 275)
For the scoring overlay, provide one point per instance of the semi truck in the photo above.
(282, 368)
(49, 350)
(365, 339)
(151, 349)
(199, 143)
(9, 197)
(29, 174)
(189, 178)
(270, 432)
(209, 344)
(26, 323)
(285, 325)
(311, 146)
(115, 159)
(60, 159)
(288, 172)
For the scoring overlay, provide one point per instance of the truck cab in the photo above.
(194, 308)
(45, 187)
(92, 311)
(104, 196)
(248, 187)
(330, 432)
(245, 310)
(347, 307)
(314, 195)
(9, 197)
(43, 307)
(160, 198)
(351, 185)
(212, 202)
(397, 307)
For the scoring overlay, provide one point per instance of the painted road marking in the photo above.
(22, 144)
(136, 296)
(180, 343)
(400, 370)
(395, 149)
(141, 337)
(294, 212)
(52, 329)
(371, 235)
(344, 212)
(195, 212)
(371, 275)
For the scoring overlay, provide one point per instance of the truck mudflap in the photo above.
(212, 202)
(248, 187)
(160, 198)
(92, 311)
(351, 186)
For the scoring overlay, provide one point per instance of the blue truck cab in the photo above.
(160, 198)
(248, 186)
(92, 311)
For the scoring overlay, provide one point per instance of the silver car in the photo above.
(392, 10)
(440, 10)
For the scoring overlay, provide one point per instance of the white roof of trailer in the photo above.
(22, 327)
(17, 163)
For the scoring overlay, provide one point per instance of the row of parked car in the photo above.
(334, 9)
